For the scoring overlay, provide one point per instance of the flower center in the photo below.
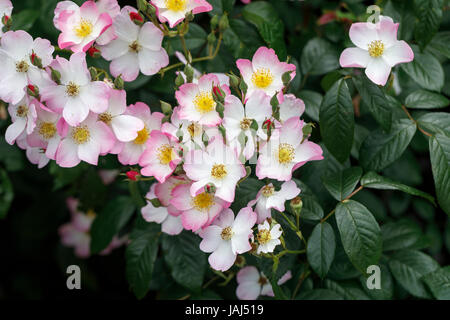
(194, 129)
(268, 191)
(263, 236)
(246, 123)
(84, 28)
(262, 78)
(105, 117)
(376, 48)
(219, 171)
(47, 130)
(135, 47)
(81, 135)
(262, 281)
(165, 154)
(286, 153)
(176, 5)
(22, 66)
(22, 111)
(203, 201)
(204, 102)
(227, 233)
(72, 89)
(142, 136)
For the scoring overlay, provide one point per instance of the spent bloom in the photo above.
(268, 198)
(75, 94)
(264, 72)
(174, 11)
(377, 49)
(227, 237)
(136, 48)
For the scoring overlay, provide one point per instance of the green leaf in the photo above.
(337, 121)
(245, 192)
(319, 294)
(375, 181)
(319, 57)
(311, 209)
(403, 234)
(141, 255)
(277, 291)
(436, 122)
(439, 283)
(6, 193)
(110, 221)
(440, 44)
(186, 261)
(429, 14)
(426, 71)
(221, 6)
(422, 99)
(312, 101)
(440, 163)
(263, 15)
(360, 234)
(376, 101)
(195, 38)
(341, 184)
(25, 19)
(321, 248)
(408, 267)
(349, 290)
(380, 149)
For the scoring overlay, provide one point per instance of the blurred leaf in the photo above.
(321, 248)
(337, 120)
(319, 57)
(319, 294)
(25, 19)
(439, 283)
(422, 99)
(64, 176)
(11, 156)
(360, 234)
(6, 193)
(437, 122)
(408, 267)
(141, 255)
(245, 192)
(312, 101)
(440, 163)
(348, 290)
(399, 235)
(341, 184)
(184, 258)
(221, 6)
(429, 15)
(380, 149)
(374, 181)
(113, 217)
(440, 44)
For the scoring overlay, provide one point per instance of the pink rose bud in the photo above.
(132, 175)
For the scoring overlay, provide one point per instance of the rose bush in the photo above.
(221, 150)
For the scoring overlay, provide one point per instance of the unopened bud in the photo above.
(118, 83)
(137, 18)
(189, 72)
(56, 76)
(286, 77)
(224, 23)
(156, 203)
(234, 81)
(307, 130)
(214, 22)
(142, 5)
(166, 108)
(132, 175)
(220, 109)
(189, 16)
(211, 39)
(7, 21)
(35, 60)
(240, 261)
(218, 94)
(94, 52)
(210, 188)
(33, 91)
(151, 10)
(93, 72)
(274, 102)
(296, 205)
(243, 86)
(179, 80)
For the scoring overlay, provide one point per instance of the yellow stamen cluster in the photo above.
(268, 191)
(246, 123)
(105, 117)
(84, 29)
(263, 236)
(176, 5)
(219, 171)
(135, 47)
(227, 233)
(262, 78)
(22, 66)
(22, 111)
(47, 130)
(72, 89)
(286, 153)
(81, 135)
(204, 102)
(376, 48)
(165, 154)
(203, 202)
(142, 136)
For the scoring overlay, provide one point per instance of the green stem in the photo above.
(347, 198)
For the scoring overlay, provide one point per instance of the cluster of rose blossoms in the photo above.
(200, 152)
